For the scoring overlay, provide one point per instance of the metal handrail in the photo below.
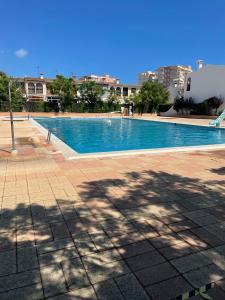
(49, 136)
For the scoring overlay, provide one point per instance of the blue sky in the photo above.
(119, 37)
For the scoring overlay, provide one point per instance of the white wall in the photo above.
(206, 82)
(173, 92)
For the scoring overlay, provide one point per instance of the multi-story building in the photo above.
(37, 89)
(145, 76)
(100, 79)
(168, 74)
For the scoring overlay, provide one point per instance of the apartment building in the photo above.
(166, 75)
(36, 89)
(145, 76)
(102, 79)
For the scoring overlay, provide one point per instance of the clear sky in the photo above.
(119, 37)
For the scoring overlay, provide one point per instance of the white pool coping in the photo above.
(66, 150)
(71, 154)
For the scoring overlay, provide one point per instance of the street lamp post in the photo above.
(14, 151)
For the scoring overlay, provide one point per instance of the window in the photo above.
(31, 88)
(125, 91)
(118, 91)
(133, 90)
(39, 88)
(112, 90)
(189, 84)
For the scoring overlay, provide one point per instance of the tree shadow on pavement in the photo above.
(150, 235)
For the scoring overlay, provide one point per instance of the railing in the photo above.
(49, 136)
(58, 134)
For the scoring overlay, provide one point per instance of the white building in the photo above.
(102, 79)
(208, 81)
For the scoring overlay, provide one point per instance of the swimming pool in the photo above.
(91, 135)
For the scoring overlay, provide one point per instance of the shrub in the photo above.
(164, 107)
(206, 107)
(179, 104)
(214, 103)
(200, 109)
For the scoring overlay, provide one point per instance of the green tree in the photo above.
(137, 101)
(152, 94)
(66, 89)
(16, 94)
(113, 100)
(91, 93)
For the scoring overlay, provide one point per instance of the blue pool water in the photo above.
(103, 135)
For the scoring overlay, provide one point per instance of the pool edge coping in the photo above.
(61, 146)
(71, 154)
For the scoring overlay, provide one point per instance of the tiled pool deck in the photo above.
(128, 227)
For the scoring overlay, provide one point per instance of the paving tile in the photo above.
(107, 271)
(108, 290)
(159, 226)
(7, 239)
(101, 258)
(192, 239)
(60, 230)
(204, 275)
(156, 273)
(127, 239)
(101, 241)
(58, 256)
(216, 256)
(216, 293)
(53, 280)
(144, 260)
(85, 248)
(169, 288)
(206, 220)
(135, 249)
(220, 249)
(43, 234)
(75, 226)
(27, 258)
(182, 225)
(131, 288)
(117, 228)
(196, 214)
(7, 262)
(207, 237)
(19, 280)
(221, 284)
(190, 262)
(84, 244)
(86, 293)
(177, 250)
(32, 292)
(166, 240)
(173, 218)
(25, 236)
(217, 229)
(55, 245)
(75, 273)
